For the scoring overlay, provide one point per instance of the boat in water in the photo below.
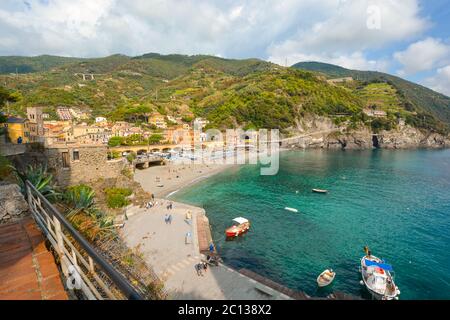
(320, 191)
(378, 278)
(326, 278)
(291, 209)
(239, 227)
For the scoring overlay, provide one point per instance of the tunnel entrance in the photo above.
(375, 142)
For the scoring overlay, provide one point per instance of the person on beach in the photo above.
(211, 247)
(166, 218)
(205, 266)
(198, 268)
(153, 197)
(170, 219)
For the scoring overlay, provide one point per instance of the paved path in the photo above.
(165, 249)
(27, 269)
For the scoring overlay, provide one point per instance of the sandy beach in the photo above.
(174, 249)
(164, 180)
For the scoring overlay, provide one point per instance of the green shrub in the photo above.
(117, 197)
(115, 155)
(5, 168)
(131, 157)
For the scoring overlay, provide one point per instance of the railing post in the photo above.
(59, 238)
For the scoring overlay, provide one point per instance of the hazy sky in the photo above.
(409, 38)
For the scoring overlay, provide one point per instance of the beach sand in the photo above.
(164, 245)
(164, 180)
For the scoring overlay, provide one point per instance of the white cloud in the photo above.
(346, 32)
(440, 82)
(423, 55)
(331, 29)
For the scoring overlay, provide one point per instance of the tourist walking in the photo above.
(211, 248)
(166, 218)
(170, 219)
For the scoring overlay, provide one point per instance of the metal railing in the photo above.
(96, 277)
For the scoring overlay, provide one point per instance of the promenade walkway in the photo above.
(27, 269)
(164, 248)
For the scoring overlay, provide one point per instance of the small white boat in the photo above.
(291, 209)
(319, 191)
(326, 278)
(378, 279)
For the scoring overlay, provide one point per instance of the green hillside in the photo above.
(250, 93)
(413, 96)
(13, 64)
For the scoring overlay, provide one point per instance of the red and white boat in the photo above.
(239, 227)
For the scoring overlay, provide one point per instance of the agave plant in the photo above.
(81, 197)
(39, 178)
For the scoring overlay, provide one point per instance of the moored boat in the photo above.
(240, 226)
(378, 278)
(320, 191)
(326, 278)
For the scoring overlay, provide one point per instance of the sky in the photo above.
(408, 38)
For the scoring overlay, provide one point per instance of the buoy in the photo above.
(361, 282)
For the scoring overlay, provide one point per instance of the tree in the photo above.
(155, 138)
(115, 141)
(5, 97)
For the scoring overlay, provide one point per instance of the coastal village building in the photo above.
(100, 119)
(120, 128)
(375, 113)
(158, 120)
(79, 114)
(35, 117)
(91, 134)
(74, 163)
(18, 130)
(64, 113)
(201, 122)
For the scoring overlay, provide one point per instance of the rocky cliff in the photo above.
(322, 132)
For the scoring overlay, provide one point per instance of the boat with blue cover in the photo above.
(378, 278)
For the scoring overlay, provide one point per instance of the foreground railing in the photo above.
(85, 269)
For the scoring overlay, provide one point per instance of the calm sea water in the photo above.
(396, 202)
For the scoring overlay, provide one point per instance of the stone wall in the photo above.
(92, 164)
(12, 203)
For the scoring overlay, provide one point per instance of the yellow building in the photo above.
(18, 130)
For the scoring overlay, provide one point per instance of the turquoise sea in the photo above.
(396, 202)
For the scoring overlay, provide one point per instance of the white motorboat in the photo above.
(378, 279)
(291, 209)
